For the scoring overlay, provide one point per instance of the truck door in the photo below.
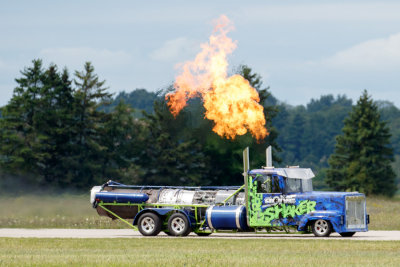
(264, 193)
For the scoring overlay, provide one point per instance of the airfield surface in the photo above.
(128, 233)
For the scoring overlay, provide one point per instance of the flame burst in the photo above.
(230, 102)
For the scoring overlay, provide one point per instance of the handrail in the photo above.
(237, 191)
(119, 185)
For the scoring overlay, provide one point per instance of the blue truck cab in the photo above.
(279, 197)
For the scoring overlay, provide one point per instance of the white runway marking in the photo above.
(128, 233)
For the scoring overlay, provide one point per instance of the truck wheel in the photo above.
(178, 225)
(321, 228)
(347, 234)
(149, 224)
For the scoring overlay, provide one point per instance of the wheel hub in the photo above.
(148, 224)
(178, 225)
(321, 227)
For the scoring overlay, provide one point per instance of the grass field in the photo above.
(75, 211)
(195, 252)
(384, 213)
(48, 211)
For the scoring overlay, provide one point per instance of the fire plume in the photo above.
(231, 102)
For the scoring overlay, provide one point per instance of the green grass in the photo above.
(196, 252)
(75, 211)
(48, 211)
(384, 213)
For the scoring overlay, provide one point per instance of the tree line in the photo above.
(68, 131)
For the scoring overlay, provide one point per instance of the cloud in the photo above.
(75, 57)
(372, 64)
(175, 50)
(376, 54)
(340, 12)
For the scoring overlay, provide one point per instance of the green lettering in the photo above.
(285, 209)
(302, 207)
(278, 210)
(311, 206)
(269, 215)
(291, 210)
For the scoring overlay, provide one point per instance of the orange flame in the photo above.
(230, 102)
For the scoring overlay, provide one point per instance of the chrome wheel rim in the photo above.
(178, 225)
(148, 225)
(321, 227)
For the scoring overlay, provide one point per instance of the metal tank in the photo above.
(226, 217)
(175, 196)
(110, 197)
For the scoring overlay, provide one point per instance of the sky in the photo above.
(301, 49)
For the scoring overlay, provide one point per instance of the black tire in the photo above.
(321, 228)
(347, 234)
(178, 225)
(203, 234)
(149, 224)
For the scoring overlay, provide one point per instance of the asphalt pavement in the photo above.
(129, 233)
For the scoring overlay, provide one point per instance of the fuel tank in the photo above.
(226, 217)
(110, 197)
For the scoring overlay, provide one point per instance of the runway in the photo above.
(128, 233)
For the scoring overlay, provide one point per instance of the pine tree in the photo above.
(362, 154)
(53, 122)
(35, 128)
(166, 161)
(123, 138)
(59, 135)
(88, 151)
(18, 139)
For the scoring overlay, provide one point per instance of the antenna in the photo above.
(268, 155)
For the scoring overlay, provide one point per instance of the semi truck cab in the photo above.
(279, 197)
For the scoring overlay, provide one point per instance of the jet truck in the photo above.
(270, 199)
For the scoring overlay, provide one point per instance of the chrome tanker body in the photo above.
(270, 198)
(112, 193)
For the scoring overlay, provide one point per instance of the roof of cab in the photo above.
(295, 173)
